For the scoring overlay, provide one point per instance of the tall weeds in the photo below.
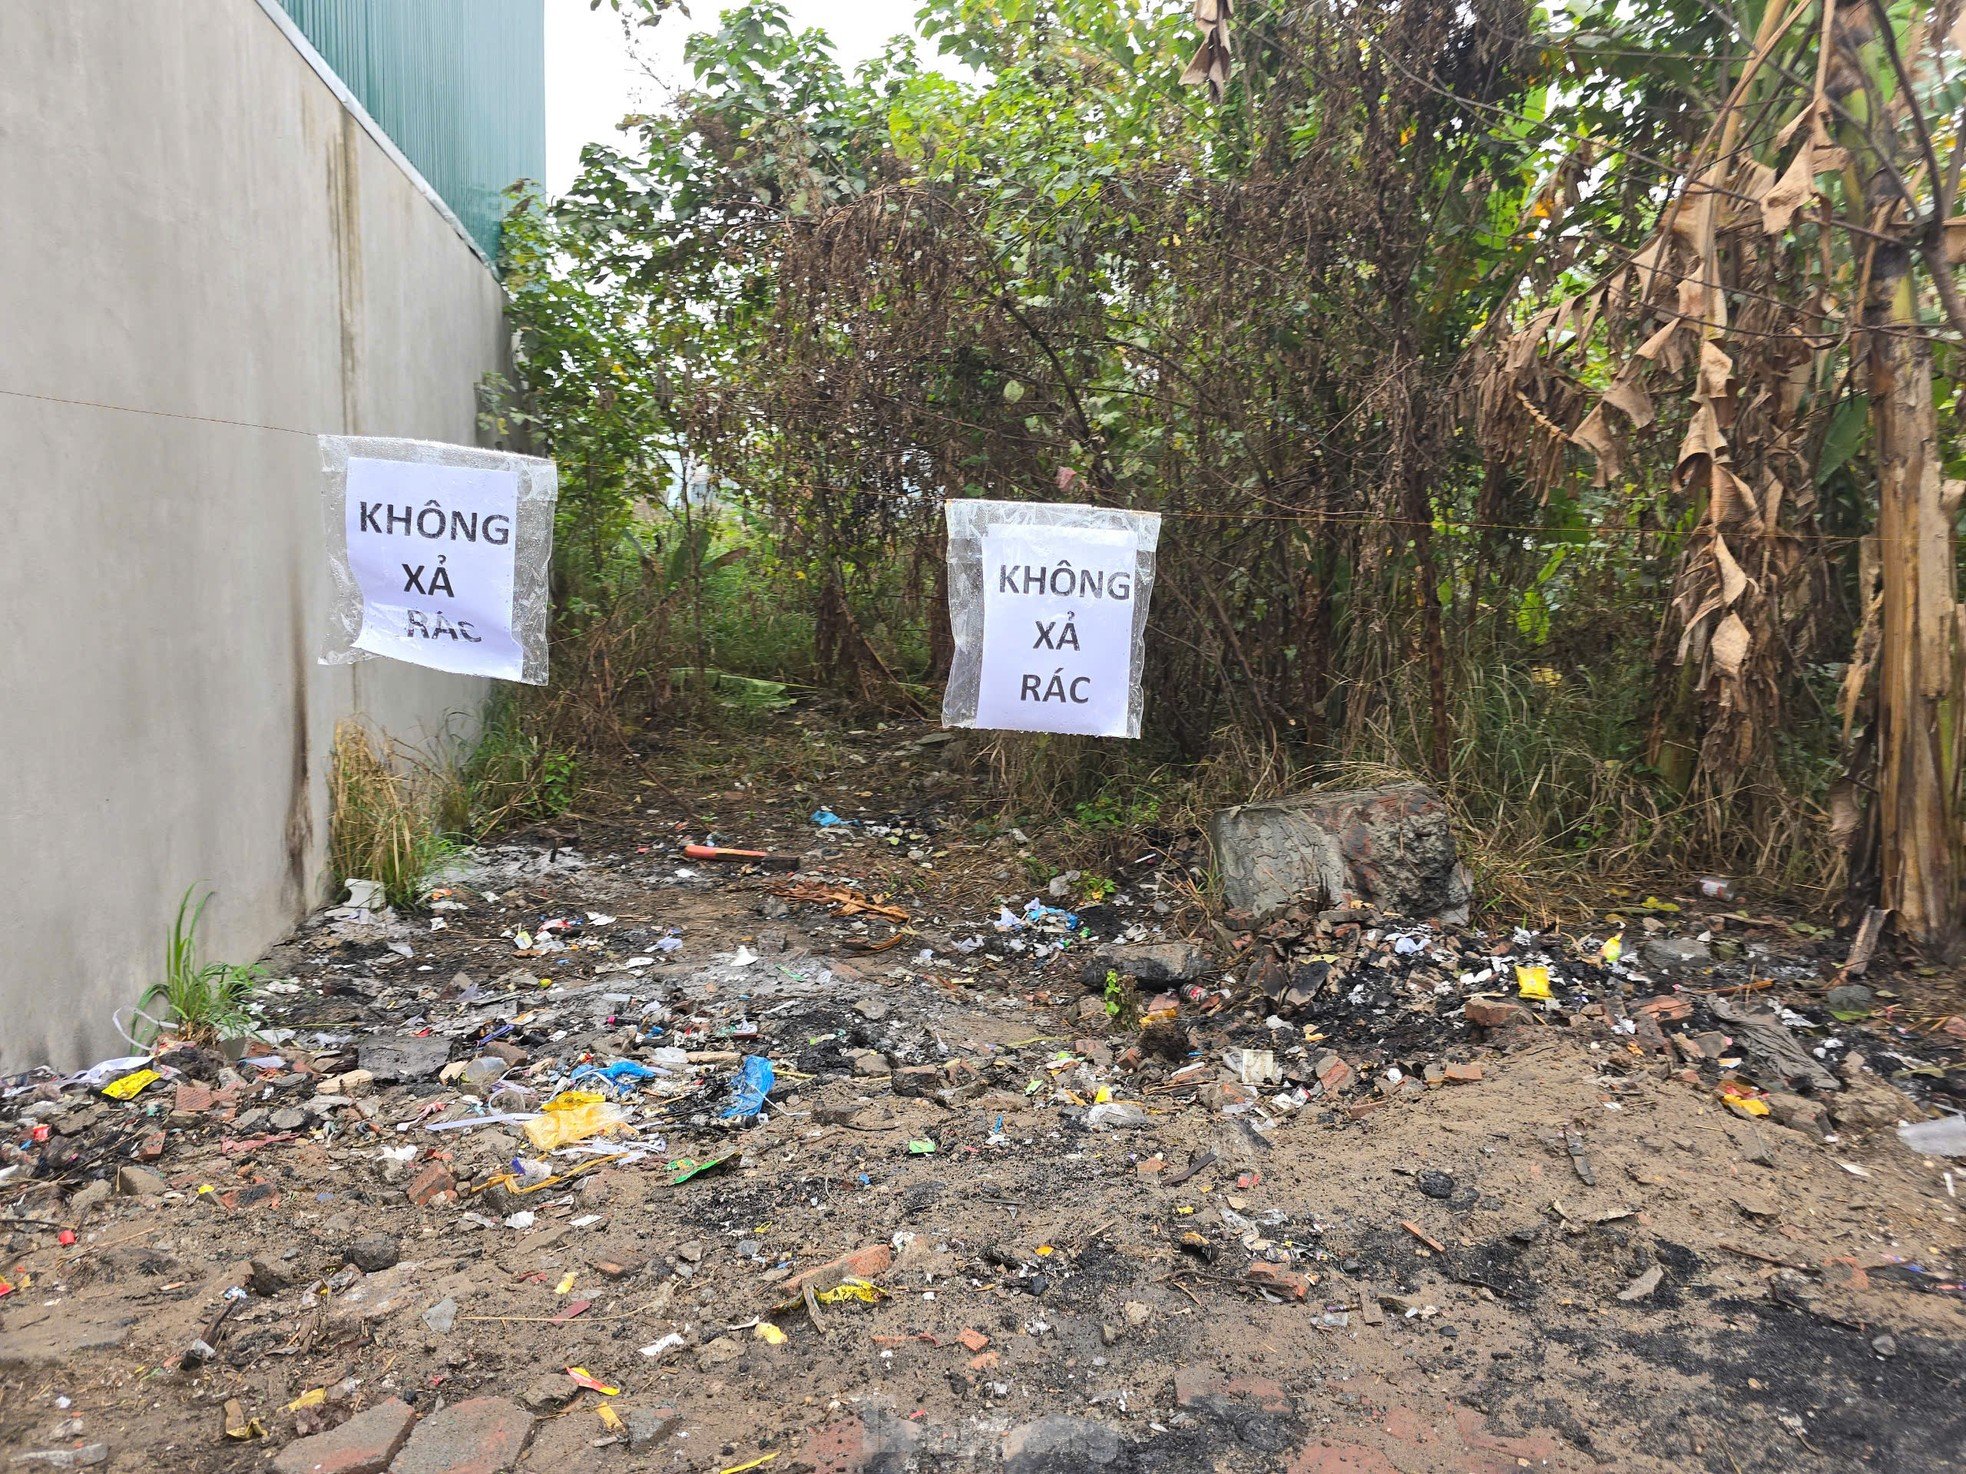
(386, 811)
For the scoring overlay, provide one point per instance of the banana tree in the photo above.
(1774, 317)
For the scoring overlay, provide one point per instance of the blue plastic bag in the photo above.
(622, 1075)
(748, 1091)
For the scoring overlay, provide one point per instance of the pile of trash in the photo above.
(1752, 1022)
(662, 1113)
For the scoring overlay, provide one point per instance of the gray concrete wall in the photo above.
(204, 261)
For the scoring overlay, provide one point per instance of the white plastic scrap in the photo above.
(98, 1075)
(1943, 1137)
(366, 895)
(505, 1118)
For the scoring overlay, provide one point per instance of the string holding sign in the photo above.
(439, 555)
(1048, 604)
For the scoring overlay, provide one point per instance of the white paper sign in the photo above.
(1058, 606)
(432, 550)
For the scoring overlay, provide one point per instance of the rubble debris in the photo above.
(1676, 954)
(1160, 964)
(368, 1204)
(1643, 1286)
(1766, 1036)
(392, 1057)
(365, 1444)
(481, 1435)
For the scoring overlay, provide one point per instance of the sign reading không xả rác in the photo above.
(1047, 608)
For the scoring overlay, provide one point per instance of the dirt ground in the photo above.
(1566, 1251)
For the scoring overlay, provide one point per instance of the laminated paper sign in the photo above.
(1048, 604)
(439, 555)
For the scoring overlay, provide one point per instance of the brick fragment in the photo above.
(431, 1183)
(866, 1263)
(1490, 1013)
(363, 1445)
(482, 1435)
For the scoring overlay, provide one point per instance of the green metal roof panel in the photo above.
(460, 85)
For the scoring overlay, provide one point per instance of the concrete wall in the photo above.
(204, 260)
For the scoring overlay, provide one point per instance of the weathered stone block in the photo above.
(1391, 847)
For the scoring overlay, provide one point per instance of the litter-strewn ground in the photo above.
(1324, 1196)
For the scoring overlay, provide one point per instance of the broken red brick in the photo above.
(1490, 1013)
(363, 1445)
(257, 1195)
(1359, 1110)
(151, 1147)
(1422, 1235)
(987, 1362)
(866, 1263)
(1666, 1008)
(482, 1435)
(431, 1183)
(975, 1340)
(1461, 1074)
(1335, 1075)
(1278, 1280)
(852, 1447)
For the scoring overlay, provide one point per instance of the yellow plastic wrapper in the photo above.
(610, 1419)
(572, 1117)
(851, 1289)
(240, 1427)
(1532, 982)
(768, 1333)
(1613, 949)
(1742, 1103)
(128, 1087)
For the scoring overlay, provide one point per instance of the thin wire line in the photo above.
(1342, 519)
(162, 414)
(1369, 519)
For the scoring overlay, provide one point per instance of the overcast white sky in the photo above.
(592, 81)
